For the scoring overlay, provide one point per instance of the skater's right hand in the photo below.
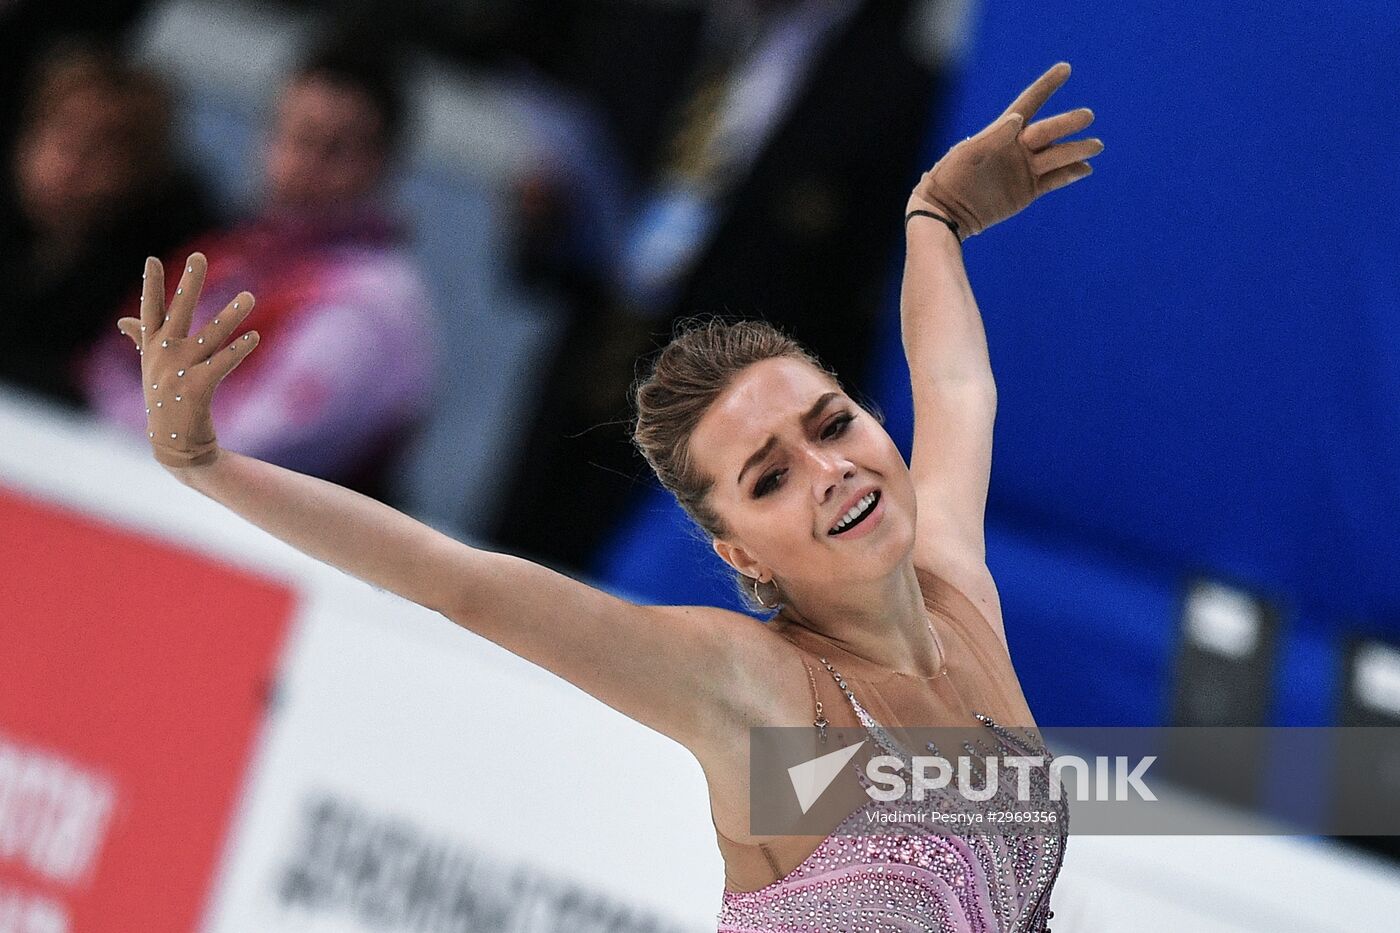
(179, 373)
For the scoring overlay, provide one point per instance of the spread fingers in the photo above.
(216, 333)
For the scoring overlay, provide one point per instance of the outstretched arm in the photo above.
(681, 670)
(672, 668)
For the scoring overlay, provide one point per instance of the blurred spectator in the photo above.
(345, 369)
(773, 188)
(29, 28)
(92, 187)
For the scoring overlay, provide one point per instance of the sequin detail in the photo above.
(916, 880)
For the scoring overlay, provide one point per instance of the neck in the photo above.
(884, 621)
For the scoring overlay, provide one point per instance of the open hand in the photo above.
(988, 177)
(178, 372)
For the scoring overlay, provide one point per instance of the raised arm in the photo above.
(979, 182)
(676, 669)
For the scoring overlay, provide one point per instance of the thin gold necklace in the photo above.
(800, 621)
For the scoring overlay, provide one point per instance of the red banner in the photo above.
(133, 678)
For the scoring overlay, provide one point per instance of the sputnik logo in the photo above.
(811, 778)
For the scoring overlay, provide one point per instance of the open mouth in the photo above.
(859, 513)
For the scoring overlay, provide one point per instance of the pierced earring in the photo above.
(758, 598)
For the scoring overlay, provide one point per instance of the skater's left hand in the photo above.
(988, 177)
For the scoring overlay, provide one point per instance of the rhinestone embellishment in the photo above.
(916, 880)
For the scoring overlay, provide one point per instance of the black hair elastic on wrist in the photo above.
(951, 224)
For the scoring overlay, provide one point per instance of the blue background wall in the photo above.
(1197, 349)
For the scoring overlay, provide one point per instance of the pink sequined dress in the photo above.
(913, 880)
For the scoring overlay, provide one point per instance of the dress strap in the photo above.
(877, 732)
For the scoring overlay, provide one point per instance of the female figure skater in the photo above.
(889, 616)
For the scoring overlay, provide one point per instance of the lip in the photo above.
(849, 503)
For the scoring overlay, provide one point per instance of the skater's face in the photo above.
(326, 146)
(788, 452)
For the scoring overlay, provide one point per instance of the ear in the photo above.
(736, 557)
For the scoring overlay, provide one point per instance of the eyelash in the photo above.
(839, 424)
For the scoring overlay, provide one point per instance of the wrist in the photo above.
(917, 203)
(924, 197)
(187, 472)
(923, 217)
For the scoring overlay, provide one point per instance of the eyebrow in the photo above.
(772, 441)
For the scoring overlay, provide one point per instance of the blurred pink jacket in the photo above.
(345, 359)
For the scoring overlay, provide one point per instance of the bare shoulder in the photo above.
(687, 672)
(748, 648)
(759, 672)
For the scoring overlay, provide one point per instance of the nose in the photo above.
(830, 470)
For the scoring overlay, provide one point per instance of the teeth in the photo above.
(855, 512)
